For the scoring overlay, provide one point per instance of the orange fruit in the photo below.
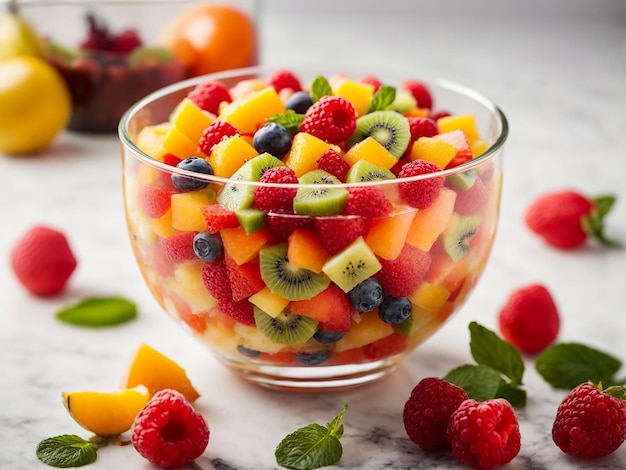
(156, 371)
(106, 413)
(212, 37)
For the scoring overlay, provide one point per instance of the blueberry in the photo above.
(395, 310)
(273, 139)
(207, 247)
(326, 337)
(367, 295)
(248, 352)
(313, 358)
(187, 183)
(300, 101)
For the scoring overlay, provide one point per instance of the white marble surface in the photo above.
(560, 79)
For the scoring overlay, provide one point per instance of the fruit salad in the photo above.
(298, 227)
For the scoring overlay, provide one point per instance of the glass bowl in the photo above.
(113, 53)
(294, 301)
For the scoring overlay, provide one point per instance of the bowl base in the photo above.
(314, 379)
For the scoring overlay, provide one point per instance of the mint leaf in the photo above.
(490, 350)
(312, 446)
(567, 365)
(479, 382)
(382, 99)
(514, 395)
(320, 87)
(290, 120)
(98, 311)
(66, 450)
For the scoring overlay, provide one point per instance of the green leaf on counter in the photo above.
(516, 396)
(98, 311)
(382, 99)
(567, 365)
(490, 350)
(66, 450)
(320, 87)
(479, 382)
(312, 446)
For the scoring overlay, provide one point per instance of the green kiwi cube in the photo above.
(352, 265)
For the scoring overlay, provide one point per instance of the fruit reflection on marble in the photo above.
(323, 245)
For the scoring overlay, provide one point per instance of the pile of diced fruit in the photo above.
(327, 234)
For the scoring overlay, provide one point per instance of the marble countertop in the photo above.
(559, 77)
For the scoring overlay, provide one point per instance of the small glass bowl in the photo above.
(104, 83)
(453, 243)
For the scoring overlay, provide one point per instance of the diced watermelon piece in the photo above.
(155, 200)
(330, 307)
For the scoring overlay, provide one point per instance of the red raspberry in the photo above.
(125, 42)
(422, 192)
(371, 80)
(401, 276)
(283, 79)
(472, 200)
(331, 162)
(484, 434)
(336, 233)
(169, 432)
(565, 219)
(43, 261)
(214, 134)
(367, 201)
(282, 224)
(217, 217)
(271, 198)
(420, 127)
(590, 422)
(427, 412)
(332, 119)
(179, 247)
(209, 96)
(420, 92)
(529, 319)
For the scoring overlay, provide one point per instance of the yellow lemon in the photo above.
(35, 104)
(106, 413)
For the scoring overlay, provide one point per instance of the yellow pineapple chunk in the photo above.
(150, 140)
(305, 151)
(269, 302)
(186, 214)
(187, 284)
(370, 329)
(478, 146)
(190, 119)
(251, 111)
(163, 225)
(430, 296)
(359, 94)
(464, 122)
(369, 149)
(229, 154)
(433, 150)
(177, 143)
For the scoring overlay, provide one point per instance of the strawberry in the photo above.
(218, 217)
(565, 219)
(179, 247)
(155, 200)
(529, 320)
(401, 276)
(337, 233)
(43, 261)
(591, 422)
(245, 279)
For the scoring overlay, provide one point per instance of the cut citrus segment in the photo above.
(152, 369)
(106, 413)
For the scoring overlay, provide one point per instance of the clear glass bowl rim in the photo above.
(126, 140)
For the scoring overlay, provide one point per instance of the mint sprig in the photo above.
(320, 87)
(67, 450)
(567, 365)
(98, 311)
(290, 120)
(312, 446)
(498, 372)
(382, 99)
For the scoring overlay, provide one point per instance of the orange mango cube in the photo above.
(304, 153)
(229, 154)
(190, 119)
(359, 94)
(386, 236)
(252, 110)
(433, 150)
(186, 214)
(370, 150)
(463, 122)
